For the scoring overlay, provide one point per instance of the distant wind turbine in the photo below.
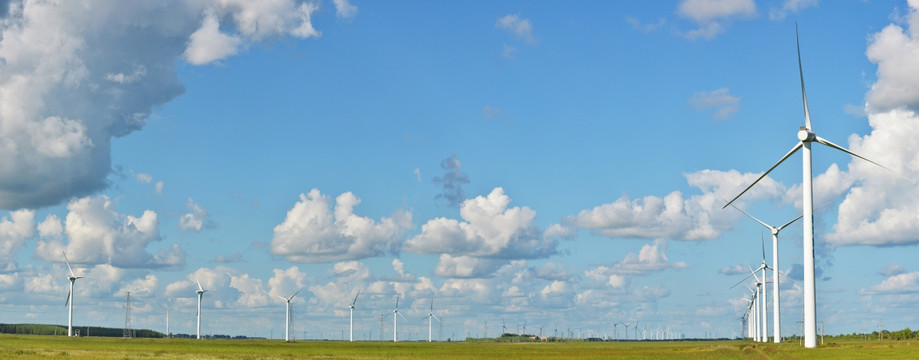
(431, 317)
(351, 336)
(395, 312)
(167, 318)
(806, 137)
(287, 317)
(776, 317)
(200, 292)
(73, 277)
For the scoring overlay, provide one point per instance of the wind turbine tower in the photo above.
(200, 292)
(287, 320)
(73, 277)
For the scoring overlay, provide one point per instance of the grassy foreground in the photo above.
(58, 347)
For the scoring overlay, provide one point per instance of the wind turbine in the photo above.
(503, 328)
(806, 137)
(351, 337)
(73, 277)
(287, 323)
(167, 318)
(394, 323)
(200, 292)
(776, 322)
(430, 321)
(761, 287)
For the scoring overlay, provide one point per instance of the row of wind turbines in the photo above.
(806, 136)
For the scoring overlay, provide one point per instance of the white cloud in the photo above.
(651, 258)
(490, 231)
(733, 270)
(159, 187)
(146, 287)
(208, 44)
(790, 7)
(97, 234)
(720, 100)
(194, 220)
(284, 282)
(77, 74)
(50, 227)
(707, 10)
(520, 28)
(144, 178)
(711, 14)
(344, 9)
(897, 284)
(892, 269)
(14, 230)
(699, 217)
(312, 232)
(638, 25)
(881, 208)
(466, 266)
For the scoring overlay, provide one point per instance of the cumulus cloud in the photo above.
(710, 15)
(892, 269)
(74, 75)
(194, 220)
(719, 100)
(143, 178)
(651, 258)
(790, 7)
(881, 208)
(344, 9)
(643, 27)
(698, 217)
(96, 233)
(490, 230)
(897, 284)
(520, 28)
(14, 230)
(733, 270)
(452, 182)
(313, 231)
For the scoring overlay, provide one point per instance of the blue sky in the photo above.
(559, 165)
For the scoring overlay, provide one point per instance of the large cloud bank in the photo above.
(75, 74)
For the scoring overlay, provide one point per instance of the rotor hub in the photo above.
(805, 135)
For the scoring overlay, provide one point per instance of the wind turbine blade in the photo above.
(68, 264)
(432, 305)
(750, 216)
(199, 283)
(295, 294)
(807, 114)
(790, 222)
(397, 301)
(435, 316)
(793, 150)
(355, 298)
(403, 316)
(847, 151)
(744, 279)
(762, 242)
(66, 302)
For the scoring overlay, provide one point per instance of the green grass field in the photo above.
(57, 347)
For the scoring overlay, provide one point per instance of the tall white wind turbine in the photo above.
(287, 318)
(761, 295)
(167, 318)
(200, 292)
(776, 319)
(394, 323)
(351, 337)
(806, 136)
(430, 320)
(73, 277)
